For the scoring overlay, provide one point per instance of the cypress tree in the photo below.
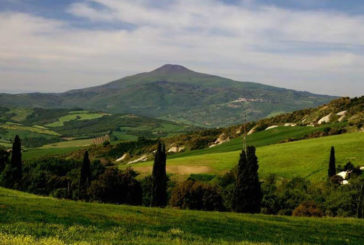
(4, 158)
(159, 178)
(85, 177)
(332, 167)
(12, 173)
(247, 194)
(361, 202)
(16, 159)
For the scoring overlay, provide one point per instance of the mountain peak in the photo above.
(169, 68)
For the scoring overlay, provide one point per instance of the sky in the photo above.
(55, 46)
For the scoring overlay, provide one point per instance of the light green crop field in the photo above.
(69, 143)
(20, 114)
(34, 129)
(305, 158)
(30, 219)
(76, 115)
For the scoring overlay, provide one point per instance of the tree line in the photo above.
(239, 190)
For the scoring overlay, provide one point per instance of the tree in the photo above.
(308, 209)
(16, 158)
(361, 202)
(192, 194)
(247, 194)
(115, 186)
(332, 167)
(4, 158)
(12, 173)
(159, 178)
(85, 177)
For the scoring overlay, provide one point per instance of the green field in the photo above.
(70, 143)
(36, 153)
(262, 138)
(34, 129)
(305, 158)
(76, 115)
(30, 219)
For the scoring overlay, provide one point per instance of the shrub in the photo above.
(308, 209)
(196, 195)
(115, 186)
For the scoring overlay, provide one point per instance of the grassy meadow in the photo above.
(304, 158)
(30, 219)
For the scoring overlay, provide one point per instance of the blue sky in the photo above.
(313, 45)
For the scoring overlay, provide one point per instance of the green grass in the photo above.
(305, 158)
(36, 153)
(268, 137)
(30, 219)
(75, 115)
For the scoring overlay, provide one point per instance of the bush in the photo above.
(308, 209)
(196, 195)
(115, 186)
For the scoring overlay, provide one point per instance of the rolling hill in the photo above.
(77, 127)
(175, 93)
(29, 219)
(305, 158)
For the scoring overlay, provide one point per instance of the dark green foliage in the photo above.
(41, 116)
(247, 193)
(4, 158)
(115, 186)
(146, 184)
(361, 202)
(270, 202)
(159, 177)
(85, 177)
(196, 195)
(308, 209)
(16, 159)
(39, 141)
(52, 176)
(12, 173)
(332, 163)
(201, 177)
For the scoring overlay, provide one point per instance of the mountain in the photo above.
(175, 93)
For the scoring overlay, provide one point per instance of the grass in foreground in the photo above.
(30, 219)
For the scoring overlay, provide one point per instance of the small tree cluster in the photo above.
(12, 173)
(115, 186)
(308, 209)
(247, 194)
(196, 195)
(332, 163)
(159, 178)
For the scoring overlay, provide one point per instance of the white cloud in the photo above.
(235, 41)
